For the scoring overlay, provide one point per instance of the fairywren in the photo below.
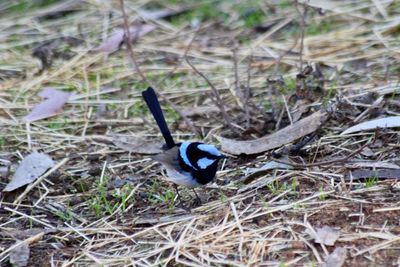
(190, 164)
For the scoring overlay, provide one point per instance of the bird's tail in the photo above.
(152, 102)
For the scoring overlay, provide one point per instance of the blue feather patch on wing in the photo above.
(183, 153)
(205, 162)
(210, 149)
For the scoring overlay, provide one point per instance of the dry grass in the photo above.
(104, 206)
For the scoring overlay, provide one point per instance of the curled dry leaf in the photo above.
(325, 235)
(114, 42)
(55, 100)
(31, 168)
(336, 258)
(19, 255)
(388, 122)
(282, 137)
(137, 145)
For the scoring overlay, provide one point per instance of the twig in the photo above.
(236, 72)
(287, 110)
(218, 101)
(247, 92)
(302, 27)
(28, 241)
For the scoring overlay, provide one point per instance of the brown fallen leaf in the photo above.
(137, 145)
(19, 255)
(30, 168)
(282, 137)
(114, 42)
(379, 174)
(55, 100)
(336, 258)
(325, 235)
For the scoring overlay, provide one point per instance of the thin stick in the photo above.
(302, 27)
(219, 101)
(236, 72)
(29, 217)
(247, 92)
(28, 241)
(28, 135)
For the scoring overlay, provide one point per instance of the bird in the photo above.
(189, 164)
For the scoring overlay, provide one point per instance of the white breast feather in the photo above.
(181, 178)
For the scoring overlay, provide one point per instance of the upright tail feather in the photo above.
(152, 102)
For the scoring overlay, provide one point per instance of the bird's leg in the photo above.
(197, 196)
(180, 204)
(177, 192)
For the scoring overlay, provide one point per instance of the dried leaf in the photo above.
(388, 122)
(325, 235)
(114, 42)
(137, 145)
(379, 174)
(284, 136)
(19, 256)
(31, 168)
(55, 100)
(336, 258)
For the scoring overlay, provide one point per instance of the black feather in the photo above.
(152, 102)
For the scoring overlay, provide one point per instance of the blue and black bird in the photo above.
(191, 164)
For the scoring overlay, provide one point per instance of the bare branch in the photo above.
(218, 99)
(302, 28)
